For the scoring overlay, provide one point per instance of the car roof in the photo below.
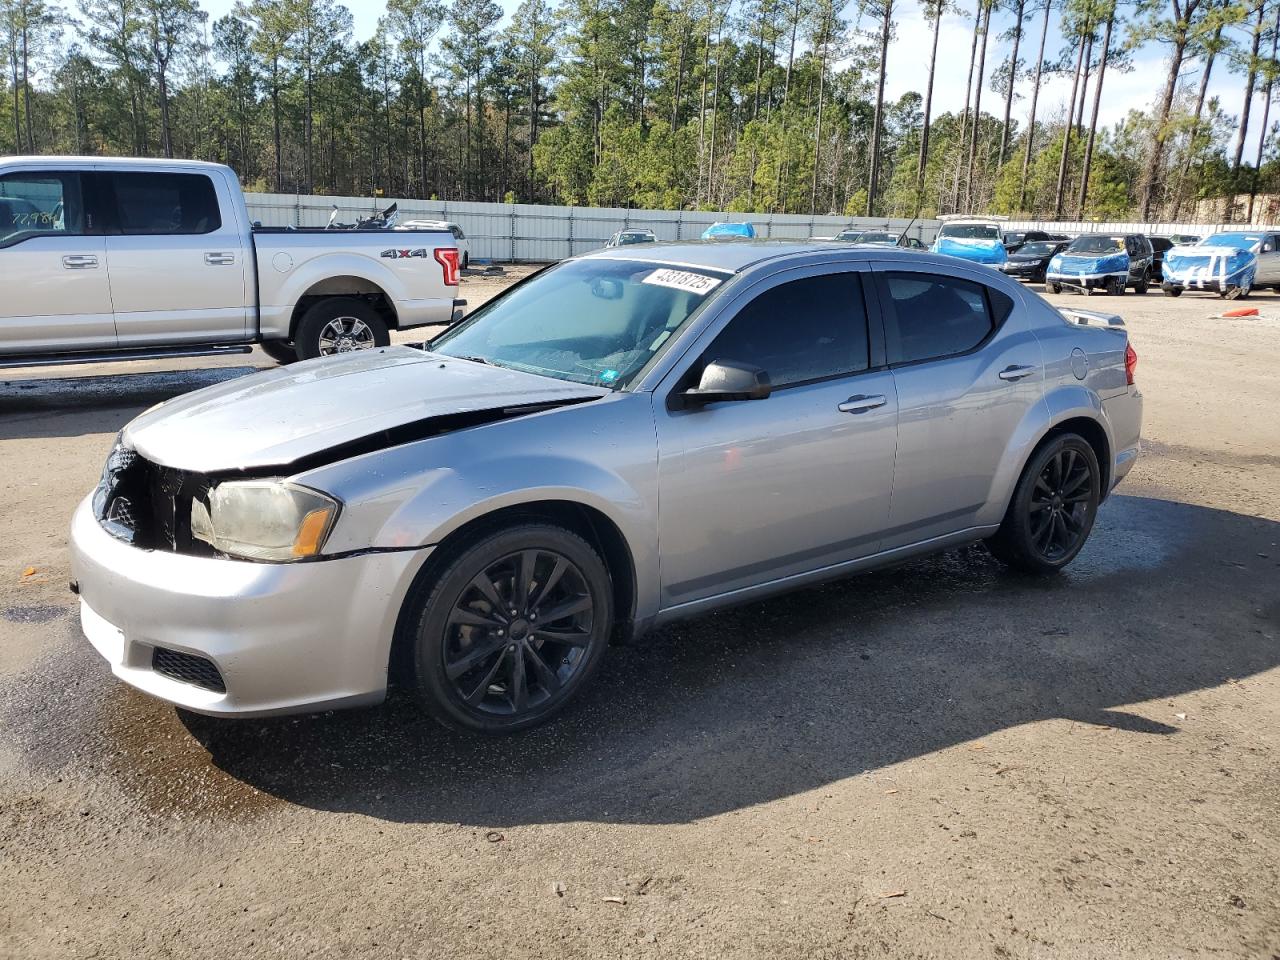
(54, 161)
(738, 255)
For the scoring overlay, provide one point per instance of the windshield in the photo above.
(1237, 241)
(595, 321)
(872, 236)
(848, 235)
(1096, 244)
(634, 238)
(970, 231)
(1013, 237)
(1039, 248)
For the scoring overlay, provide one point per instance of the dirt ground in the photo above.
(944, 760)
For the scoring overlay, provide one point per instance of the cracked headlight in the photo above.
(264, 519)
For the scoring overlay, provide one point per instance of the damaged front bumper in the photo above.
(239, 638)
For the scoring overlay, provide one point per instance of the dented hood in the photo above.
(277, 417)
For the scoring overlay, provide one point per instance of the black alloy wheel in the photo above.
(1053, 507)
(513, 629)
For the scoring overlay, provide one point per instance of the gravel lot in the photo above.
(944, 760)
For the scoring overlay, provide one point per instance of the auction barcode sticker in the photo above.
(683, 280)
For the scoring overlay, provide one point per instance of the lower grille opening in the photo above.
(188, 668)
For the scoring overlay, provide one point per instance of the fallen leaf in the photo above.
(613, 900)
(29, 572)
(1181, 716)
(889, 793)
(978, 746)
(893, 893)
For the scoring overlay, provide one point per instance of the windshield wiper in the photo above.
(488, 363)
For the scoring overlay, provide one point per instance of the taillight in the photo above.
(1130, 363)
(447, 257)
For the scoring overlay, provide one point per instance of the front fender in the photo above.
(601, 455)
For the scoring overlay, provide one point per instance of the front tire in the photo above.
(1053, 507)
(511, 630)
(1142, 285)
(281, 351)
(1172, 291)
(1116, 287)
(340, 325)
(1055, 287)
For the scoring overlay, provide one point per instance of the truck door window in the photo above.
(165, 204)
(39, 204)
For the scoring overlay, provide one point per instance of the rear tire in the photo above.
(1172, 291)
(1142, 285)
(482, 668)
(340, 325)
(1053, 507)
(1116, 287)
(1055, 287)
(281, 351)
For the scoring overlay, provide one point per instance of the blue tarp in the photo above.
(974, 249)
(728, 230)
(1206, 266)
(1075, 267)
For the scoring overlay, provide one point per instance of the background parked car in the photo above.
(464, 248)
(1031, 260)
(624, 238)
(1102, 261)
(977, 239)
(1229, 264)
(881, 238)
(1016, 239)
(1159, 246)
(729, 231)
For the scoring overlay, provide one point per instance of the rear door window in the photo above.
(38, 205)
(932, 316)
(804, 330)
(165, 204)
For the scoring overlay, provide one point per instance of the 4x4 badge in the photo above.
(394, 254)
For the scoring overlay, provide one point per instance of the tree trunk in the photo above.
(17, 125)
(964, 116)
(786, 93)
(1084, 81)
(923, 160)
(1093, 117)
(1019, 13)
(26, 90)
(878, 122)
(1266, 117)
(817, 136)
(977, 110)
(1031, 122)
(275, 120)
(1201, 93)
(1155, 155)
(1249, 82)
(166, 130)
(1066, 136)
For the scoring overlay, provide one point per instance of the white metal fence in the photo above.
(527, 232)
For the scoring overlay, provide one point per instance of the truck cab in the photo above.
(131, 258)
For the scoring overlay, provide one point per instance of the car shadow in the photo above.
(775, 698)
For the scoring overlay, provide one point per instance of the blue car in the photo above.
(1229, 264)
(729, 231)
(973, 239)
(1103, 261)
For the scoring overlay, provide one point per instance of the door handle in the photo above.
(862, 403)
(219, 259)
(80, 262)
(1016, 372)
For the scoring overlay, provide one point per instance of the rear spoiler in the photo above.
(1090, 318)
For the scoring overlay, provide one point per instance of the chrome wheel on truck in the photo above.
(340, 325)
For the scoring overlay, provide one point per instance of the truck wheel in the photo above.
(1053, 507)
(1141, 286)
(340, 325)
(281, 351)
(1117, 286)
(466, 261)
(1055, 287)
(511, 630)
(1172, 291)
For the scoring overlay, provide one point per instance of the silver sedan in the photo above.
(626, 438)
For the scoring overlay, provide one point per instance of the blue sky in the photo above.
(1122, 92)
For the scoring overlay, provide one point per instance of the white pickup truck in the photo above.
(110, 259)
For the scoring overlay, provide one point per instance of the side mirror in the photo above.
(727, 380)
